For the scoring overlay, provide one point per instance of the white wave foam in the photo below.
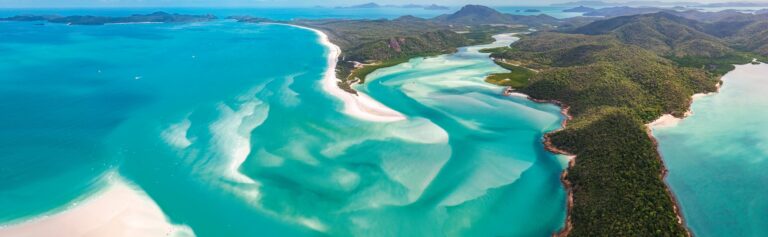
(232, 134)
(419, 130)
(492, 170)
(176, 134)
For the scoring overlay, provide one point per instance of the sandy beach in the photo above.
(667, 120)
(119, 210)
(360, 106)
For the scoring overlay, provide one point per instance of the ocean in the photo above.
(225, 129)
(717, 157)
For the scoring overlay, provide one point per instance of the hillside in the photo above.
(371, 44)
(580, 9)
(482, 15)
(612, 89)
(610, 12)
(752, 37)
(663, 33)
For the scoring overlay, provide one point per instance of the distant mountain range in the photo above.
(663, 33)
(689, 33)
(376, 5)
(609, 12)
(630, 3)
(579, 9)
(660, 4)
(477, 14)
(157, 17)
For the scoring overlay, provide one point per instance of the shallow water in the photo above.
(717, 157)
(497, 168)
(226, 127)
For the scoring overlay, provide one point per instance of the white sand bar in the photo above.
(120, 210)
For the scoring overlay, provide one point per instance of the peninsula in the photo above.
(614, 76)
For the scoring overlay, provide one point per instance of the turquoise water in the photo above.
(497, 170)
(717, 157)
(226, 127)
(290, 13)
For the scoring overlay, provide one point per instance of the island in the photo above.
(579, 9)
(157, 17)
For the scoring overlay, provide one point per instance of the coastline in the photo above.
(668, 120)
(546, 140)
(364, 107)
(360, 106)
(119, 209)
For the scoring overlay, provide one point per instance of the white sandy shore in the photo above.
(518, 94)
(667, 120)
(119, 210)
(359, 106)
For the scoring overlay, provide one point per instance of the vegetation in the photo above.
(663, 33)
(617, 185)
(718, 65)
(612, 89)
(615, 76)
(517, 77)
(383, 43)
(710, 40)
(363, 71)
(482, 15)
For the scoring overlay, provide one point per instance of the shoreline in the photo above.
(118, 209)
(668, 120)
(360, 106)
(546, 140)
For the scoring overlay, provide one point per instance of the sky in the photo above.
(268, 3)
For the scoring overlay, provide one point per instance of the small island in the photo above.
(157, 17)
(579, 9)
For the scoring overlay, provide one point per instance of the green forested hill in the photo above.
(752, 37)
(612, 89)
(478, 15)
(662, 32)
(381, 43)
(371, 44)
